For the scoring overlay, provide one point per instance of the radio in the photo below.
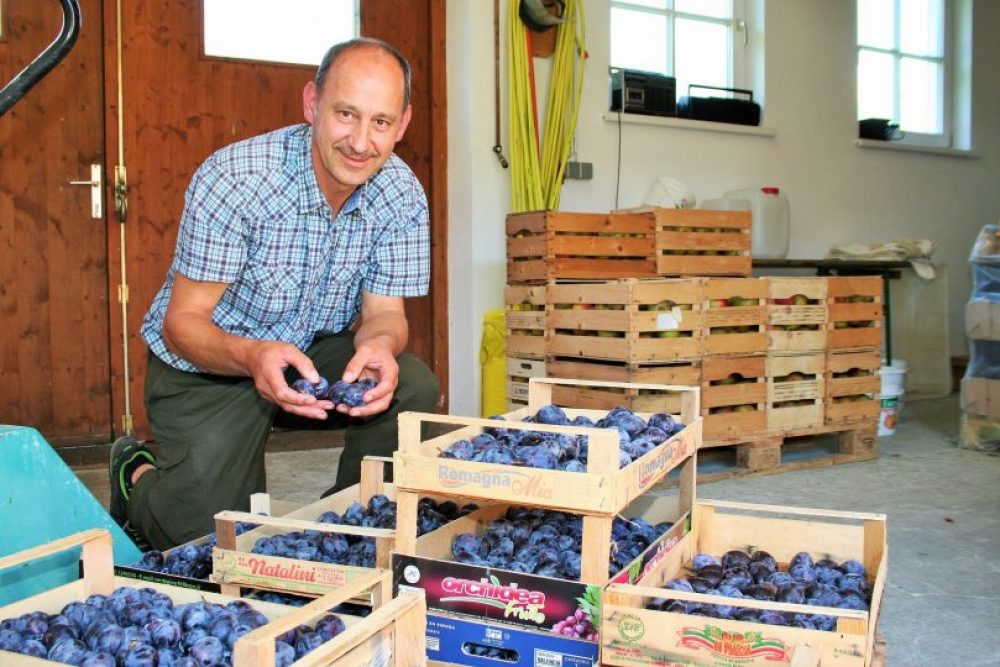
(647, 93)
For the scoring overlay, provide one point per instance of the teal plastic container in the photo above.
(42, 500)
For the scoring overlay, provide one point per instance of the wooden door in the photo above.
(54, 352)
(181, 106)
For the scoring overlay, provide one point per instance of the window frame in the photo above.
(203, 26)
(945, 139)
(739, 56)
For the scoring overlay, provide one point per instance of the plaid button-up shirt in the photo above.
(255, 218)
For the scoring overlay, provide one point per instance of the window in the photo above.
(695, 41)
(903, 67)
(282, 31)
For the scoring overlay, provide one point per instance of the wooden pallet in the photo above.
(803, 449)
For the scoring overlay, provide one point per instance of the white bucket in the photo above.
(893, 383)
(894, 378)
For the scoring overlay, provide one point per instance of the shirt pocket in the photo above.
(271, 294)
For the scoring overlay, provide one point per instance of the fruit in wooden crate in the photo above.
(355, 550)
(132, 627)
(189, 560)
(563, 451)
(821, 583)
(548, 543)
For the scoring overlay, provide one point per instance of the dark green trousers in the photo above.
(210, 432)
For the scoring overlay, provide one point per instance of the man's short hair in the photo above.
(336, 50)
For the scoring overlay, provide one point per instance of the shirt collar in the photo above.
(311, 198)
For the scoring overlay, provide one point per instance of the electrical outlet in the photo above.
(583, 171)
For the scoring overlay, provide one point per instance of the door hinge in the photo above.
(123, 294)
(127, 424)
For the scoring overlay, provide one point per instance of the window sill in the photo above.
(687, 124)
(910, 148)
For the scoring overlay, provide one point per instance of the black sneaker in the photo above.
(127, 454)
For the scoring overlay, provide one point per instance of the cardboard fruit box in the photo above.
(854, 312)
(550, 245)
(702, 242)
(394, 631)
(632, 321)
(603, 489)
(525, 610)
(633, 635)
(796, 314)
(235, 566)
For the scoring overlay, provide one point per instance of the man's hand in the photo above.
(267, 362)
(372, 359)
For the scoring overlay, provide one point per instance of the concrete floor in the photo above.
(942, 502)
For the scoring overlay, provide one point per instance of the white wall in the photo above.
(838, 191)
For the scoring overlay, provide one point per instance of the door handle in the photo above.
(96, 184)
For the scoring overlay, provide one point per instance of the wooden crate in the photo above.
(853, 386)
(795, 391)
(606, 398)
(632, 321)
(392, 631)
(519, 371)
(854, 308)
(633, 635)
(796, 314)
(596, 539)
(394, 634)
(235, 566)
(603, 490)
(550, 245)
(702, 242)
(733, 397)
(524, 319)
(735, 316)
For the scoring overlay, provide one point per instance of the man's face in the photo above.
(357, 118)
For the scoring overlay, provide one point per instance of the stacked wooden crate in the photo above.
(774, 357)
(517, 613)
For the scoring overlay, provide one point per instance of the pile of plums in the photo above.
(135, 627)
(553, 451)
(189, 560)
(356, 550)
(350, 394)
(740, 575)
(548, 543)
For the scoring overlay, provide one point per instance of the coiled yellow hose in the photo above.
(536, 181)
